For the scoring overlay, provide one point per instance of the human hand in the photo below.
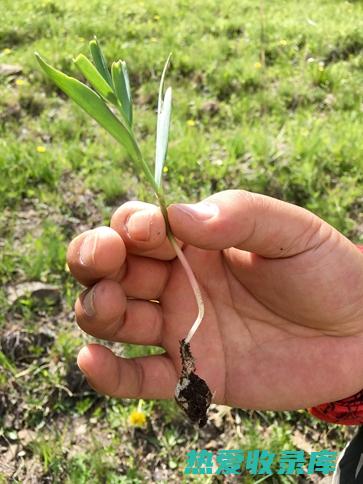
(283, 292)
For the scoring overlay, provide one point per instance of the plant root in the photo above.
(192, 393)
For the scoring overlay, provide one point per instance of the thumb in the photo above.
(248, 221)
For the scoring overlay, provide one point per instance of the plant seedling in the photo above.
(110, 104)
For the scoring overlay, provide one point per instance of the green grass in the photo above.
(270, 103)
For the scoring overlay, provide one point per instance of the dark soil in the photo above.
(192, 393)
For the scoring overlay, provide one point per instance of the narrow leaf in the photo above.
(128, 89)
(96, 108)
(99, 60)
(162, 127)
(120, 90)
(162, 136)
(94, 78)
(161, 86)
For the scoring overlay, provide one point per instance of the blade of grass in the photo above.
(5, 363)
(263, 479)
(100, 60)
(94, 78)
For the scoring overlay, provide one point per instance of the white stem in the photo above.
(195, 287)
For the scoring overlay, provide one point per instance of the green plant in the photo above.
(111, 91)
(50, 453)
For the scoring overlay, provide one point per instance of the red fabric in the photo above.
(348, 411)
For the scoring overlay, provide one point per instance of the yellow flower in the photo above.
(282, 42)
(20, 82)
(137, 418)
(41, 149)
(6, 51)
(258, 65)
(191, 122)
(165, 169)
(156, 17)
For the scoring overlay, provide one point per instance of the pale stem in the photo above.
(188, 270)
(193, 282)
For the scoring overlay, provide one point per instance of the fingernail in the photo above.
(138, 225)
(88, 302)
(199, 212)
(88, 249)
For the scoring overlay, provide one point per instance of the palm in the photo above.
(266, 335)
(282, 329)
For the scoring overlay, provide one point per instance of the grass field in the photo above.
(269, 100)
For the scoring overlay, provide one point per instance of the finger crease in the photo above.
(140, 377)
(117, 326)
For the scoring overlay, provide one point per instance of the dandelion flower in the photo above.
(20, 82)
(283, 42)
(41, 149)
(258, 65)
(165, 169)
(191, 122)
(137, 418)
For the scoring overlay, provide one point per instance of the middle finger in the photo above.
(104, 312)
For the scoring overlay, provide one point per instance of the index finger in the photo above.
(142, 228)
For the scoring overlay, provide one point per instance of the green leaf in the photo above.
(127, 84)
(5, 363)
(162, 127)
(161, 85)
(96, 108)
(121, 85)
(162, 136)
(94, 78)
(99, 60)
(120, 89)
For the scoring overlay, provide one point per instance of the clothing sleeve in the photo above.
(348, 411)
